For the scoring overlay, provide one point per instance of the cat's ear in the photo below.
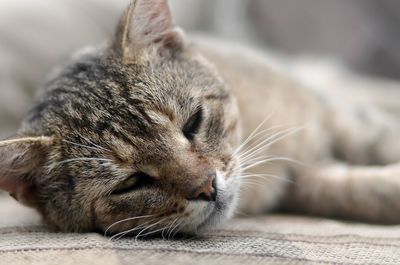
(147, 24)
(21, 161)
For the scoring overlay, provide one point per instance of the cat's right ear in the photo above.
(147, 25)
(21, 161)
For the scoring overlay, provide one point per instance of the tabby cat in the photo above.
(155, 134)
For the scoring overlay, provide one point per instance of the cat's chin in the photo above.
(217, 218)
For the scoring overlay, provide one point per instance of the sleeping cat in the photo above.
(155, 134)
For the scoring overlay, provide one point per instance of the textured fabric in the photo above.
(258, 240)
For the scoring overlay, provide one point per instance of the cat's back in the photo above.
(292, 90)
(262, 82)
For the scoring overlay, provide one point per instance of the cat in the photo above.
(155, 134)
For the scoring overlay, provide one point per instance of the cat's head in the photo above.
(138, 137)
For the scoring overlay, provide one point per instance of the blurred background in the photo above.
(35, 36)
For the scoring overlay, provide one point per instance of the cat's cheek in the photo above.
(228, 194)
(107, 212)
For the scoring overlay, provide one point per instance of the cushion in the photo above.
(270, 239)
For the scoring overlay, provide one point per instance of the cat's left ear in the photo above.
(21, 161)
(147, 24)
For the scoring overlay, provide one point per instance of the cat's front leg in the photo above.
(361, 193)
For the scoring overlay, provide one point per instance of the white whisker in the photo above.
(255, 138)
(265, 161)
(249, 138)
(265, 176)
(268, 142)
(155, 231)
(84, 159)
(179, 228)
(95, 145)
(83, 145)
(169, 227)
(254, 159)
(170, 231)
(124, 233)
(262, 138)
(126, 220)
(251, 182)
(148, 227)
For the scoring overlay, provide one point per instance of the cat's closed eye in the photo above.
(192, 126)
(134, 182)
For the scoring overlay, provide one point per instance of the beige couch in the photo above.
(270, 239)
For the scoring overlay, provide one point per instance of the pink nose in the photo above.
(206, 192)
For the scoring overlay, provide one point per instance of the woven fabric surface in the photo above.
(274, 239)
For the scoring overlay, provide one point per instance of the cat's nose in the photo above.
(205, 192)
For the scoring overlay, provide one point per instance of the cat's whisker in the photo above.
(252, 134)
(265, 143)
(259, 136)
(255, 156)
(244, 166)
(170, 226)
(136, 228)
(255, 159)
(251, 157)
(245, 184)
(253, 175)
(126, 220)
(270, 140)
(247, 164)
(265, 176)
(173, 228)
(124, 233)
(83, 159)
(265, 161)
(253, 153)
(155, 231)
(147, 228)
(95, 145)
(280, 158)
(83, 145)
(166, 227)
(180, 226)
(247, 179)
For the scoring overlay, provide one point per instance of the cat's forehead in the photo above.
(156, 80)
(170, 85)
(100, 94)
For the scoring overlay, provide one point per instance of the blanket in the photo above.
(269, 239)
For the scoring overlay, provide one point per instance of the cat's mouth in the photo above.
(219, 211)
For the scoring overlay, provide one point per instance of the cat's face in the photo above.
(140, 137)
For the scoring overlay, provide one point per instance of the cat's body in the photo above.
(143, 135)
(339, 134)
